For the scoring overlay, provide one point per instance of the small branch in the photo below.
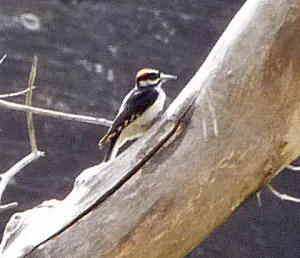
(6, 177)
(15, 94)
(42, 111)
(258, 198)
(28, 102)
(16, 168)
(2, 59)
(55, 114)
(282, 196)
(294, 168)
(8, 206)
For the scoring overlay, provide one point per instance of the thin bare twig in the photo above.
(15, 94)
(46, 112)
(258, 198)
(28, 102)
(2, 59)
(294, 168)
(6, 177)
(8, 206)
(55, 114)
(35, 153)
(282, 196)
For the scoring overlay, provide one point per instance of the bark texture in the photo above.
(232, 128)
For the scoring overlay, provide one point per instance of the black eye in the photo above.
(148, 76)
(152, 76)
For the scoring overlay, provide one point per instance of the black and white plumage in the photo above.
(139, 109)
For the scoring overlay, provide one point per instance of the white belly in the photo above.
(138, 127)
(152, 113)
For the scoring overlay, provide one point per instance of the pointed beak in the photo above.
(167, 76)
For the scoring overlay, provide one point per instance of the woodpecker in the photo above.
(138, 111)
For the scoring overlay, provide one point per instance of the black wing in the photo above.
(134, 104)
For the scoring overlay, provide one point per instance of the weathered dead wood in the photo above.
(232, 128)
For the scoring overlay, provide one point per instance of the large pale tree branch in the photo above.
(228, 133)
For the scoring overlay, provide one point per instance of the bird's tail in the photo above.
(112, 148)
(103, 141)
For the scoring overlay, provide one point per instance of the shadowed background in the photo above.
(89, 52)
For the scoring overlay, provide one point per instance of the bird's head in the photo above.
(148, 77)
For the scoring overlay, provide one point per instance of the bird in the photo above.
(139, 110)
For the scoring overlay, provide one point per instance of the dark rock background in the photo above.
(88, 54)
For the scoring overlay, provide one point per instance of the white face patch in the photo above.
(152, 82)
(143, 83)
(149, 82)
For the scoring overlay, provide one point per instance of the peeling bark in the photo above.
(231, 129)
